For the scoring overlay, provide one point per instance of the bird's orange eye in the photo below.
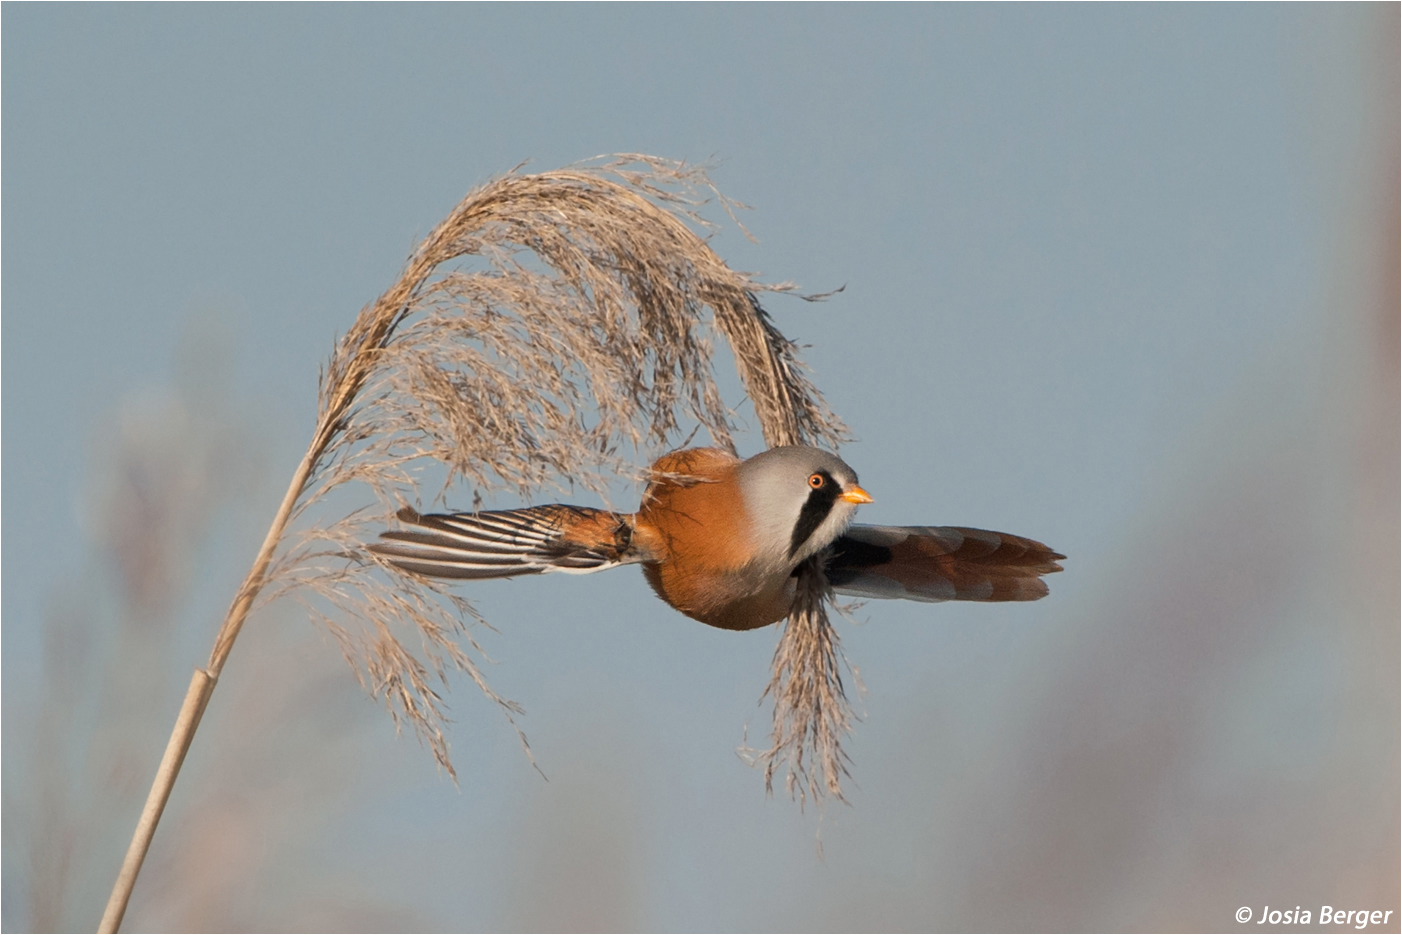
(816, 481)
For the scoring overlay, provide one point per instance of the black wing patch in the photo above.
(939, 563)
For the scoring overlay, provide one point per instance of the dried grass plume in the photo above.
(554, 331)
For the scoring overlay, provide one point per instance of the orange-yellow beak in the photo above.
(855, 494)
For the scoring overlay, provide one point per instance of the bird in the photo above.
(721, 540)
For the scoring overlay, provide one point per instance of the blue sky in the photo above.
(1101, 271)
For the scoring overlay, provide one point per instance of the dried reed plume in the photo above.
(578, 345)
(811, 711)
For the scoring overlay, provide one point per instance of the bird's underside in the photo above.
(920, 563)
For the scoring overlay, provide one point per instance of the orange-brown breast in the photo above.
(693, 518)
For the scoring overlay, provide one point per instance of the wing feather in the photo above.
(939, 563)
(504, 543)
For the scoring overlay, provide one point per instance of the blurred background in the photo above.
(1122, 279)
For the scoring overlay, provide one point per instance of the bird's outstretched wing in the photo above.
(503, 543)
(939, 563)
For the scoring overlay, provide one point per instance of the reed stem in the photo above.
(201, 686)
(197, 698)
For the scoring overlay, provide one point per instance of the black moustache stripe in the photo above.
(815, 510)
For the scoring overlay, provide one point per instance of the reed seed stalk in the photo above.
(513, 378)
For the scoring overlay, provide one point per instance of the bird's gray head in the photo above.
(799, 499)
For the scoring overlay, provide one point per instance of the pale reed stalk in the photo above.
(515, 379)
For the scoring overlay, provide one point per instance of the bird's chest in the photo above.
(707, 565)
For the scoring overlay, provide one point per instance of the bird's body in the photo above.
(711, 571)
(720, 539)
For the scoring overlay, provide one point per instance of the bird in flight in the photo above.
(721, 539)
